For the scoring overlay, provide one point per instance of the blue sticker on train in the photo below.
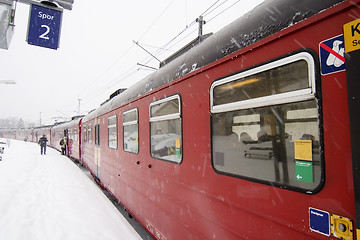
(319, 221)
(332, 55)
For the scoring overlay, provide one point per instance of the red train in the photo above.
(71, 131)
(244, 136)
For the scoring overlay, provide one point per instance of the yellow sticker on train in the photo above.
(303, 150)
(352, 35)
(178, 143)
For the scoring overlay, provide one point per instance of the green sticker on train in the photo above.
(304, 171)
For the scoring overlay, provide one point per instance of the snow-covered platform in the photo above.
(48, 197)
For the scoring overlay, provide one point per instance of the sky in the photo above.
(97, 53)
(48, 197)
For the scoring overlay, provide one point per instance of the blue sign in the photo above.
(332, 55)
(44, 26)
(319, 221)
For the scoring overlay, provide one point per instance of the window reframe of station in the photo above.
(173, 135)
(280, 100)
(112, 132)
(131, 124)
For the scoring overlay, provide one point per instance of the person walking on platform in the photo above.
(42, 143)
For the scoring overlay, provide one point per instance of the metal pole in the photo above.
(201, 22)
(146, 50)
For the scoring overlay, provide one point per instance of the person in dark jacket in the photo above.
(42, 143)
(63, 143)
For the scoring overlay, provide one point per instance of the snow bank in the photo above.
(46, 197)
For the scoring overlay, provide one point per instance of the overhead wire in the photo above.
(107, 69)
(123, 55)
(223, 11)
(157, 19)
(159, 51)
(88, 86)
(147, 60)
(205, 13)
(211, 6)
(164, 47)
(111, 83)
(167, 44)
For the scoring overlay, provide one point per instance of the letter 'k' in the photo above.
(353, 29)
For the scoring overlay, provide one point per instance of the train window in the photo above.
(265, 124)
(131, 131)
(75, 136)
(165, 129)
(85, 134)
(89, 134)
(112, 132)
(97, 134)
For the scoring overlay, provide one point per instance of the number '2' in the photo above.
(45, 34)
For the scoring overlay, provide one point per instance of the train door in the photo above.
(66, 135)
(79, 139)
(352, 61)
(97, 149)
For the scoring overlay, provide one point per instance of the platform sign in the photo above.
(319, 221)
(44, 26)
(332, 55)
(352, 35)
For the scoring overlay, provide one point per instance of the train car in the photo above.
(8, 133)
(58, 132)
(24, 134)
(74, 139)
(246, 135)
(93, 144)
(38, 132)
(71, 131)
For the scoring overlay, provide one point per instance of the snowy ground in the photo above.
(46, 197)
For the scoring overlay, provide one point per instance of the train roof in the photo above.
(63, 125)
(264, 20)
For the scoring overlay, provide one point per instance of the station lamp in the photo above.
(66, 4)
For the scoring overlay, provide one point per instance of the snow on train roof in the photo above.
(266, 19)
(73, 122)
